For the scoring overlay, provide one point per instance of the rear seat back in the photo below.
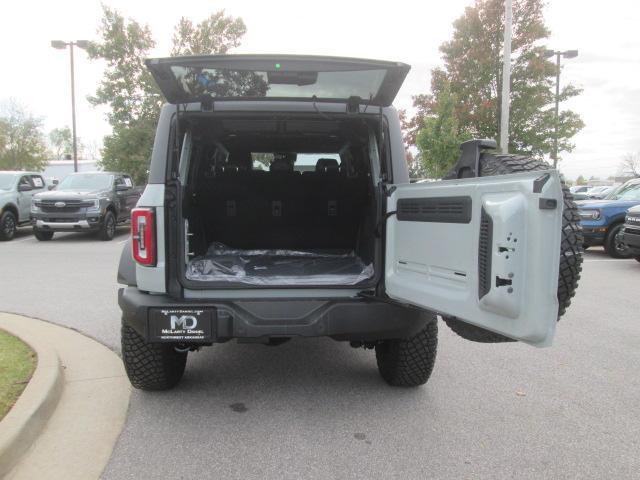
(283, 208)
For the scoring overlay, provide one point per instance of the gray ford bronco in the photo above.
(279, 206)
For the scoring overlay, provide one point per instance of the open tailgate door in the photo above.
(485, 250)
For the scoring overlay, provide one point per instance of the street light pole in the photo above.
(556, 123)
(506, 79)
(73, 110)
(62, 45)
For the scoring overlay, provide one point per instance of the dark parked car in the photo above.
(330, 239)
(602, 220)
(85, 202)
(631, 233)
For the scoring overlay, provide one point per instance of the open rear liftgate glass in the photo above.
(485, 250)
(277, 77)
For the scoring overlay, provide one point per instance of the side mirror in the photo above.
(122, 188)
(24, 188)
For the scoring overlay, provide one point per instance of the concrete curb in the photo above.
(26, 420)
(91, 392)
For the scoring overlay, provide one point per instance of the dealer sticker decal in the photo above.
(182, 325)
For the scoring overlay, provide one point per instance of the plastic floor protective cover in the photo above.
(278, 267)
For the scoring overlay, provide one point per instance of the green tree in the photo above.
(215, 34)
(415, 166)
(22, 141)
(473, 71)
(440, 137)
(128, 89)
(581, 180)
(61, 142)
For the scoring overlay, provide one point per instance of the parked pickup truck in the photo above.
(86, 202)
(603, 220)
(631, 232)
(16, 190)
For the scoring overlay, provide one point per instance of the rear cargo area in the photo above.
(280, 203)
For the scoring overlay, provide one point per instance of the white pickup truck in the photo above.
(16, 190)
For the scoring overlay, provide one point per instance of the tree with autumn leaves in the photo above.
(465, 92)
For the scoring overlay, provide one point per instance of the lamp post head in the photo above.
(570, 54)
(549, 53)
(82, 44)
(59, 44)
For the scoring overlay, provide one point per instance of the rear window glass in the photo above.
(304, 162)
(224, 83)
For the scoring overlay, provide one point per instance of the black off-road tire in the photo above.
(409, 362)
(613, 245)
(571, 247)
(43, 235)
(8, 226)
(108, 227)
(151, 366)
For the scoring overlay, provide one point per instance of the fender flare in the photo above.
(10, 206)
(127, 266)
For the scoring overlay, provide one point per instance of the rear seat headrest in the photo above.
(281, 165)
(326, 165)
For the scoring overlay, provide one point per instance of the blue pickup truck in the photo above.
(603, 220)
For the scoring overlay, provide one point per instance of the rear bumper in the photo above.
(342, 319)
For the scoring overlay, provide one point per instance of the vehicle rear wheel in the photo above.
(42, 235)
(151, 366)
(108, 228)
(571, 246)
(614, 245)
(409, 362)
(8, 225)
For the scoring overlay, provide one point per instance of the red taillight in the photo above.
(143, 235)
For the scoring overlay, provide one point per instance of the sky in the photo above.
(605, 33)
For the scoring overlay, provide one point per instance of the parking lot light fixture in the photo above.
(558, 54)
(61, 45)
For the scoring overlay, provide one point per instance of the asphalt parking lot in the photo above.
(318, 409)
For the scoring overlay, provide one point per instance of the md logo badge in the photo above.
(180, 325)
(183, 322)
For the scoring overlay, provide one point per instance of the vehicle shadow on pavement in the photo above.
(299, 376)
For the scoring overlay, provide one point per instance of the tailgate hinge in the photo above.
(371, 295)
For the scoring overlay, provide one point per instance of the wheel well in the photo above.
(12, 208)
(112, 209)
(614, 224)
